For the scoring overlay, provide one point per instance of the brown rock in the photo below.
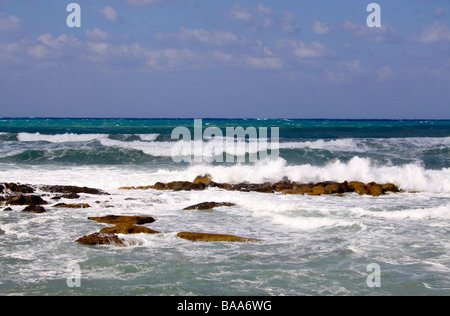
(18, 188)
(34, 209)
(390, 187)
(213, 237)
(64, 205)
(128, 220)
(204, 180)
(375, 189)
(25, 200)
(101, 239)
(71, 189)
(184, 186)
(127, 229)
(282, 186)
(158, 186)
(8, 209)
(208, 206)
(319, 190)
(358, 187)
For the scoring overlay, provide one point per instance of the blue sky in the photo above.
(225, 58)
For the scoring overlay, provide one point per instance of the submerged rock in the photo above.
(208, 206)
(213, 237)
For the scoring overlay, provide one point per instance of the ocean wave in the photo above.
(71, 137)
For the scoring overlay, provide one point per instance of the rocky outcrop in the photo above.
(16, 188)
(122, 225)
(208, 206)
(213, 237)
(285, 187)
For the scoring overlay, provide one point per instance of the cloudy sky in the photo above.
(225, 58)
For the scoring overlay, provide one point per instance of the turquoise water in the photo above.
(309, 245)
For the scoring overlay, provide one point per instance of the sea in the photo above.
(329, 245)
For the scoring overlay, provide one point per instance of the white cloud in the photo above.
(9, 23)
(320, 28)
(264, 63)
(436, 32)
(384, 34)
(385, 73)
(217, 38)
(96, 35)
(264, 18)
(142, 3)
(109, 13)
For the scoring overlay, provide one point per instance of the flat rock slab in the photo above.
(101, 239)
(208, 206)
(127, 230)
(118, 220)
(64, 205)
(213, 237)
(70, 189)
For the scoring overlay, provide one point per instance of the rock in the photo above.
(69, 189)
(25, 200)
(64, 205)
(101, 239)
(213, 237)
(70, 196)
(1, 188)
(390, 187)
(208, 206)
(18, 188)
(184, 186)
(34, 209)
(128, 229)
(303, 189)
(203, 180)
(374, 189)
(358, 187)
(283, 186)
(318, 190)
(128, 220)
(8, 209)
(158, 186)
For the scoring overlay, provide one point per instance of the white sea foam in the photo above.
(148, 137)
(59, 138)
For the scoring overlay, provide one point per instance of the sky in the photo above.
(225, 59)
